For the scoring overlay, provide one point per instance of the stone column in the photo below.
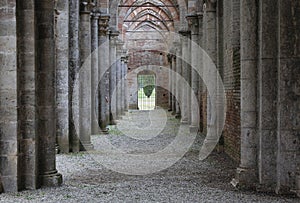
(119, 77)
(8, 94)
(122, 86)
(85, 77)
(94, 73)
(170, 81)
(288, 97)
(126, 85)
(45, 91)
(185, 113)
(113, 76)
(247, 172)
(74, 65)
(201, 67)
(103, 68)
(26, 92)
(267, 92)
(62, 75)
(174, 85)
(193, 24)
(178, 78)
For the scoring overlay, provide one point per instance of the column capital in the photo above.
(86, 6)
(114, 34)
(103, 24)
(193, 22)
(210, 5)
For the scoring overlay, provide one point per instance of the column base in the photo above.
(104, 131)
(113, 122)
(178, 116)
(86, 147)
(51, 180)
(245, 179)
(194, 129)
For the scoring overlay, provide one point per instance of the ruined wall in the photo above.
(151, 60)
(229, 57)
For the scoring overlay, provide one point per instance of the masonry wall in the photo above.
(229, 47)
(154, 61)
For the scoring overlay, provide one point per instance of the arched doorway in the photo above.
(146, 90)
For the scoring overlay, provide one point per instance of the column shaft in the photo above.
(62, 76)
(173, 84)
(74, 65)
(113, 76)
(178, 76)
(125, 86)
(185, 113)
(85, 78)
(170, 81)
(247, 173)
(193, 22)
(94, 73)
(103, 72)
(45, 91)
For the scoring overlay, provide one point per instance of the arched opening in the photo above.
(146, 90)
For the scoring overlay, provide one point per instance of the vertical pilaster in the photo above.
(247, 172)
(8, 98)
(85, 77)
(193, 24)
(45, 91)
(103, 72)
(113, 76)
(62, 75)
(94, 73)
(201, 67)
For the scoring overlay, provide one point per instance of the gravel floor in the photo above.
(189, 180)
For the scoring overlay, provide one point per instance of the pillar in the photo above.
(119, 76)
(288, 97)
(94, 73)
(62, 75)
(178, 78)
(186, 73)
(122, 84)
(113, 37)
(45, 91)
(170, 81)
(193, 24)
(247, 172)
(126, 85)
(103, 72)
(8, 96)
(26, 93)
(267, 93)
(201, 67)
(173, 84)
(74, 66)
(85, 77)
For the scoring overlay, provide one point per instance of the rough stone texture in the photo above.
(8, 93)
(94, 72)
(62, 75)
(26, 93)
(74, 66)
(84, 82)
(46, 131)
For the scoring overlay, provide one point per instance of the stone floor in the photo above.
(189, 180)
